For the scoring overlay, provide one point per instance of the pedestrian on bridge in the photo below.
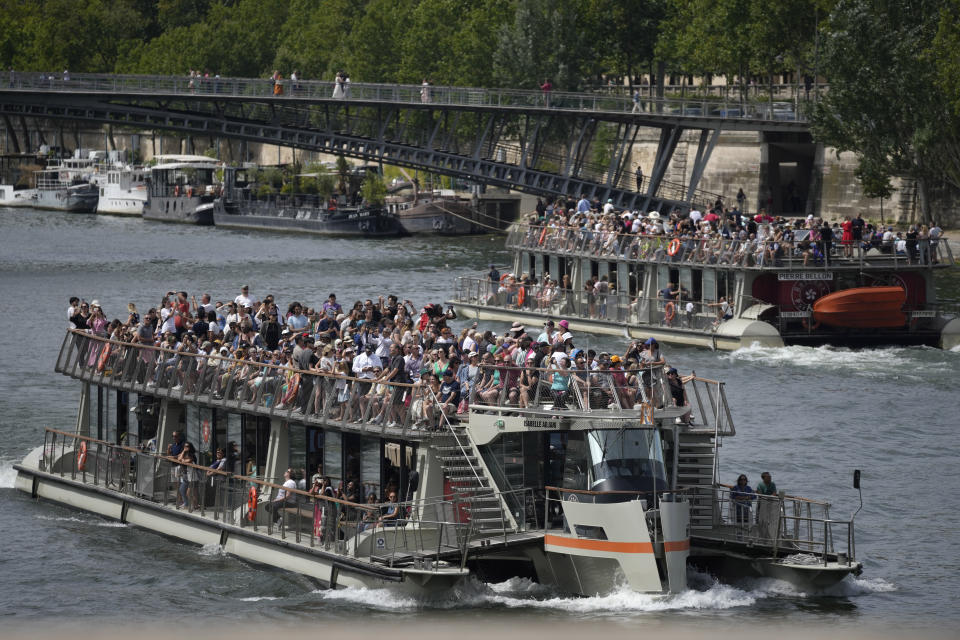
(425, 91)
(639, 178)
(546, 87)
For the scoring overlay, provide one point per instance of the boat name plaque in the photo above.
(805, 275)
(540, 423)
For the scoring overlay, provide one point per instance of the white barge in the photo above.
(586, 497)
(719, 293)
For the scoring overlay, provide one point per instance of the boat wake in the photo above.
(919, 364)
(212, 550)
(90, 522)
(8, 475)
(707, 594)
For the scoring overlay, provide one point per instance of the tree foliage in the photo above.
(886, 101)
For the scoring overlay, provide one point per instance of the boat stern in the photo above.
(648, 545)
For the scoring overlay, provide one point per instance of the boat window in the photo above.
(626, 459)
(333, 456)
(207, 443)
(575, 462)
(536, 269)
(372, 463)
(297, 450)
(723, 283)
(709, 285)
(352, 454)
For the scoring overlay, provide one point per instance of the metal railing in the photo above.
(695, 106)
(427, 528)
(789, 524)
(789, 253)
(630, 393)
(242, 384)
(614, 307)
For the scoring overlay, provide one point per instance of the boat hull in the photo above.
(312, 221)
(331, 570)
(862, 308)
(183, 210)
(73, 200)
(445, 219)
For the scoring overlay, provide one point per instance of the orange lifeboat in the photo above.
(862, 308)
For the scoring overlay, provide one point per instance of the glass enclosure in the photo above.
(626, 460)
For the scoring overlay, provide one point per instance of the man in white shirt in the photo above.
(608, 208)
(695, 217)
(243, 300)
(366, 362)
(469, 343)
(283, 495)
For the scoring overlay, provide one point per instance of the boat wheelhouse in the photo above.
(604, 491)
(718, 293)
(183, 188)
(123, 191)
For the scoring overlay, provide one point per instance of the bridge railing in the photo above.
(469, 97)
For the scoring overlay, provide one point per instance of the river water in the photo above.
(808, 415)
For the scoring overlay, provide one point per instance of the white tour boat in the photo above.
(608, 490)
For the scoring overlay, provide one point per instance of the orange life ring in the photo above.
(104, 356)
(669, 312)
(521, 296)
(292, 387)
(252, 504)
(543, 234)
(189, 192)
(673, 247)
(82, 456)
(176, 190)
(504, 277)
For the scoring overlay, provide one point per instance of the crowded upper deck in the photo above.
(387, 364)
(720, 235)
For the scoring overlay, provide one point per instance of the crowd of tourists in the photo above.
(379, 361)
(719, 235)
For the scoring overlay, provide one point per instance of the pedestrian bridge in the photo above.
(530, 141)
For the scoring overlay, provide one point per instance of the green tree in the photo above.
(886, 102)
(547, 39)
(373, 189)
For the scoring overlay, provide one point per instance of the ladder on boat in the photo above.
(696, 471)
(464, 470)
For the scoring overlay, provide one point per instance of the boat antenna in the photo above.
(856, 485)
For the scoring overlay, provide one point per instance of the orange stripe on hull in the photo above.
(611, 546)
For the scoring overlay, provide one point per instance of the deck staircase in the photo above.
(466, 473)
(696, 471)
